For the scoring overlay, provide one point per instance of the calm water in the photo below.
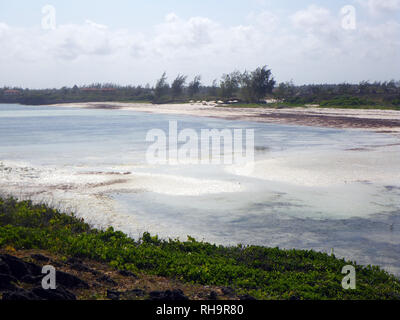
(311, 188)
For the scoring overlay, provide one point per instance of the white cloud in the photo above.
(315, 19)
(382, 6)
(176, 34)
(265, 20)
(96, 25)
(311, 48)
(171, 17)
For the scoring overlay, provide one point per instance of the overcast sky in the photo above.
(133, 42)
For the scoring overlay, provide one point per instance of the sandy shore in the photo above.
(385, 121)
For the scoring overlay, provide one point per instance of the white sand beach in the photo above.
(386, 121)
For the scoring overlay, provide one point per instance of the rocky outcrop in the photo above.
(21, 280)
(168, 295)
(70, 281)
(125, 295)
(15, 271)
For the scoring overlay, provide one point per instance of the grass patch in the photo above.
(265, 273)
(361, 107)
(322, 106)
(257, 105)
(336, 103)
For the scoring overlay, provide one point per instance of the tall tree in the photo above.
(246, 87)
(262, 83)
(194, 86)
(162, 88)
(230, 84)
(286, 90)
(178, 85)
(213, 90)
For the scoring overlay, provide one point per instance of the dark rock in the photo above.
(78, 265)
(106, 279)
(213, 295)
(81, 267)
(393, 296)
(134, 293)
(247, 297)
(40, 257)
(18, 268)
(174, 295)
(4, 268)
(70, 281)
(59, 294)
(56, 264)
(6, 278)
(228, 291)
(95, 272)
(126, 273)
(31, 279)
(113, 295)
(294, 298)
(74, 261)
(21, 295)
(34, 269)
(128, 295)
(6, 282)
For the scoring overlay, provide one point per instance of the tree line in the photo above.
(363, 93)
(245, 87)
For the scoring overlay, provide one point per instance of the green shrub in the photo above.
(265, 273)
(347, 101)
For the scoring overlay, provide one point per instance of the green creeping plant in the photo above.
(264, 273)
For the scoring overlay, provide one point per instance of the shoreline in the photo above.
(131, 269)
(352, 175)
(380, 121)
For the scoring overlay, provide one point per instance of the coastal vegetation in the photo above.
(249, 88)
(259, 272)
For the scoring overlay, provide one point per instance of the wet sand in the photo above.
(383, 121)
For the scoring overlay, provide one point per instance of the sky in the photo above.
(55, 43)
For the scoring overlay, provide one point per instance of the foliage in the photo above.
(396, 102)
(256, 85)
(383, 95)
(177, 86)
(265, 273)
(347, 101)
(162, 89)
(91, 93)
(194, 86)
(230, 84)
(260, 83)
(245, 87)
